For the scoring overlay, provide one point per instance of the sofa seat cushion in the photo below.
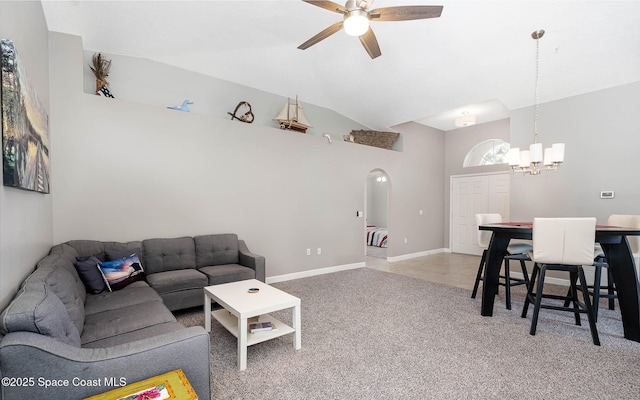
(123, 320)
(37, 309)
(136, 293)
(226, 273)
(173, 281)
(140, 334)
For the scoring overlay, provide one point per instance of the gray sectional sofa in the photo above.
(60, 340)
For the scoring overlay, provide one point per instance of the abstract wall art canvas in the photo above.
(25, 127)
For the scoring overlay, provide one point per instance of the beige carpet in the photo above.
(369, 334)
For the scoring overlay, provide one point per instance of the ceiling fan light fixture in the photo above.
(356, 16)
(356, 23)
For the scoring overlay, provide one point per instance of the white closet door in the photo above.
(499, 191)
(472, 194)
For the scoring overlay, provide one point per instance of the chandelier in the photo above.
(534, 160)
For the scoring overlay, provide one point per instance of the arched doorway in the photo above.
(377, 213)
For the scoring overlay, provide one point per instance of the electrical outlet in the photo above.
(319, 251)
(308, 252)
(405, 240)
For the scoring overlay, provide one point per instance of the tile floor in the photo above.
(457, 270)
(447, 268)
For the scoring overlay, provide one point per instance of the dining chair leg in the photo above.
(527, 298)
(523, 266)
(610, 290)
(538, 299)
(597, 282)
(587, 303)
(573, 277)
(483, 261)
(568, 299)
(507, 286)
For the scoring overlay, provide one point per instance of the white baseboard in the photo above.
(313, 272)
(414, 255)
(345, 267)
(337, 268)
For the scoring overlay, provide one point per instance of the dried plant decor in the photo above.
(100, 67)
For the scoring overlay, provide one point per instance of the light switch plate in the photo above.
(607, 194)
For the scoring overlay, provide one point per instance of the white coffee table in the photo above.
(240, 305)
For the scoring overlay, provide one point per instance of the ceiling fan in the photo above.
(357, 16)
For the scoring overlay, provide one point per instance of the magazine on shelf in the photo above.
(261, 327)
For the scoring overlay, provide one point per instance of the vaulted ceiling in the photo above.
(477, 57)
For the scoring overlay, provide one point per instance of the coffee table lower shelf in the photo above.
(230, 323)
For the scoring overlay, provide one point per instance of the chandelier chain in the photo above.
(536, 159)
(535, 118)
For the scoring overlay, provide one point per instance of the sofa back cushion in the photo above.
(87, 248)
(61, 277)
(115, 250)
(159, 255)
(37, 309)
(216, 249)
(100, 250)
(65, 256)
(65, 250)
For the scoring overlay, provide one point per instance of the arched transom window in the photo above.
(488, 152)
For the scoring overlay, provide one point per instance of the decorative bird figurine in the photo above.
(184, 107)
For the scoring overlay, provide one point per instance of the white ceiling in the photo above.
(478, 56)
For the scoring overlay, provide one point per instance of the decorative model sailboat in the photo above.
(292, 117)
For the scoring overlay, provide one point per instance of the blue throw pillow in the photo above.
(121, 272)
(89, 274)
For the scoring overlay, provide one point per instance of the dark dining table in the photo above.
(613, 241)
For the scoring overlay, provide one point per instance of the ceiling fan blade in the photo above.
(328, 5)
(405, 13)
(370, 43)
(322, 35)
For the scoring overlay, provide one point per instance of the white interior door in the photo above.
(472, 194)
(499, 195)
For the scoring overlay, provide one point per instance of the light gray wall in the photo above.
(26, 231)
(422, 175)
(602, 142)
(136, 171)
(458, 143)
(148, 82)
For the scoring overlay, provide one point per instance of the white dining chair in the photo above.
(562, 244)
(626, 221)
(518, 251)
